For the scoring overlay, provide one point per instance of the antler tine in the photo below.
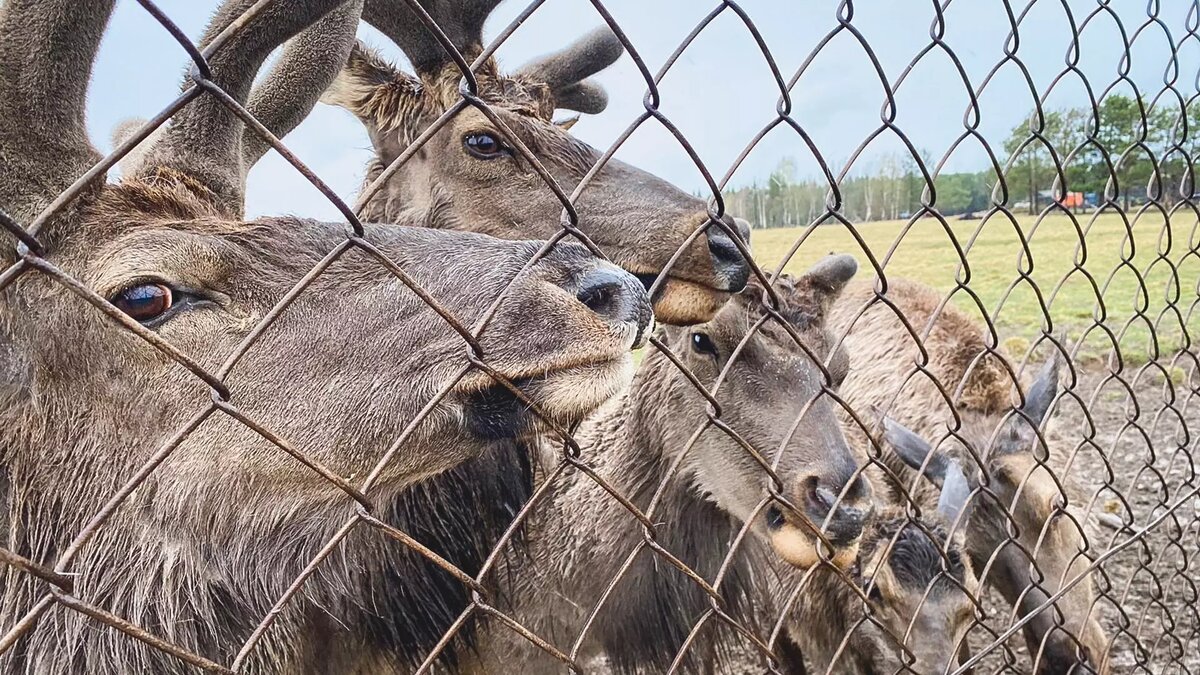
(204, 140)
(461, 20)
(309, 64)
(47, 48)
(566, 71)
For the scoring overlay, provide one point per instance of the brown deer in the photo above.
(919, 588)
(1025, 532)
(183, 433)
(699, 485)
(473, 172)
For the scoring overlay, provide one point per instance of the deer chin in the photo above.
(570, 394)
(680, 302)
(563, 396)
(799, 548)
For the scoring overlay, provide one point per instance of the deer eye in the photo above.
(144, 302)
(484, 145)
(702, 344)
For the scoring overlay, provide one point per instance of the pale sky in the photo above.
(721, 92)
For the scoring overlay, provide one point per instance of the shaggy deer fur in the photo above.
(919, 586)
(1024, 535)
(210, 539)
(453, 182)
(770, 392)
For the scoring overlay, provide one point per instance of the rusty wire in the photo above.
(1145, 634)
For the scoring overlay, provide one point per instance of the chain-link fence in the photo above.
(169, 506)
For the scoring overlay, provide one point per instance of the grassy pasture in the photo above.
(1138, 269)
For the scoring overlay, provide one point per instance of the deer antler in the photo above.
(309, 64)
(204, 140)
(461, 20)
(566, 71)
(47, 48)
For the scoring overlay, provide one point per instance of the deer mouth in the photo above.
(797, 542)
(560, 397)
(683, 302)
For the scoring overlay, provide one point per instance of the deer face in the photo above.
(1047, 550)
(340, 372)
(177, 276)
(1022, 534)
(920, 590)
(471, 175)
(768, 387)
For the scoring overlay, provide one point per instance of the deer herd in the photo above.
(780, 483)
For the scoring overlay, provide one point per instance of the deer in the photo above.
(456, 180)
(194, 405)
(475, 172)
(912, 606)
(700, 487)
(1025, 528)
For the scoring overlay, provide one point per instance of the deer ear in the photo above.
(382, 97)
(1042, 392)
(955, 491)
(915, 451)
(378, 93)
(1020, 433)
(823, 283)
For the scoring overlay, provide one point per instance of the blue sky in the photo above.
(721, 92)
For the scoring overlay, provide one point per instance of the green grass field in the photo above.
(1063, 255)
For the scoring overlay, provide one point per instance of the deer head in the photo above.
(239, 386)
(921, 589)
(1023, 536)
(474, 173)
(768, 376)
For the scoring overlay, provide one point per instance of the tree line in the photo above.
(1124, 137)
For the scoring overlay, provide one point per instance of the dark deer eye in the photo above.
(145, 302)
(702, 344)
(484, 146)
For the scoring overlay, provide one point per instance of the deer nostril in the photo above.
(743, 228)
(774, 518)
(728, 261)
(723, 249)
(616, 296)
(823, 497)
(827, 508)
(600, 298)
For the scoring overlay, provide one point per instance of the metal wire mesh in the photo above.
(1128, 419)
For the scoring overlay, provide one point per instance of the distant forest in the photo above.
(892, 187)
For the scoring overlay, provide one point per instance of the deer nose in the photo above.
(841, 516)
(836, 503)
(1063, 656)
(728, 262)
(840, 511)
(618, 298)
